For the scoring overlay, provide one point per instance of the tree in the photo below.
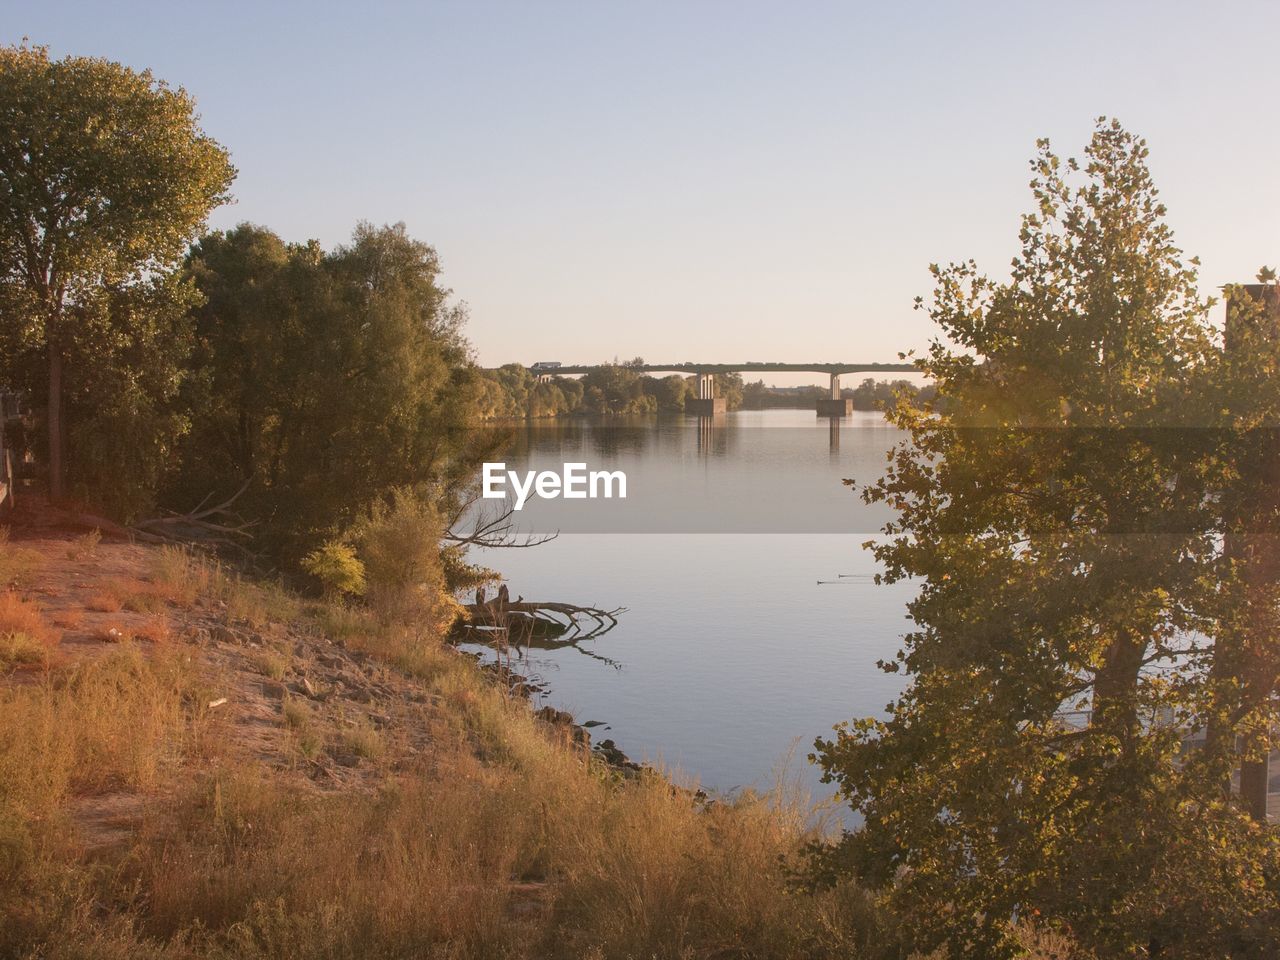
(1061, 514)
(327, 380)
(105, 178)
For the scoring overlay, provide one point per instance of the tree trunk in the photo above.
(53, 420)
(1115, 688)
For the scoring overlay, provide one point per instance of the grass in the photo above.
(297, 715)
(104, 602)
(22, 651)
(103, 724)
(154, 630)
(18, 565)
(85, 546)
(364, 741)
(271, 663)
(25, 640)
(506, 843)
(68, 619)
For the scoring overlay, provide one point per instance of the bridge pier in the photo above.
(706, 403)
(835, 405)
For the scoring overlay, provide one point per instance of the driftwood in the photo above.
(544, 625)
(214, 526)
(211, 525)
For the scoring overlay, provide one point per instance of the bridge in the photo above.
(706, 403)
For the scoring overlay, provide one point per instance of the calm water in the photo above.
(731, 655)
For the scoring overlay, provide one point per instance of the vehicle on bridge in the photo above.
(546, 365)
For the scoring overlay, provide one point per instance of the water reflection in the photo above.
(730, 653)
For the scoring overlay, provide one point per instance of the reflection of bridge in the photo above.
(706, 403)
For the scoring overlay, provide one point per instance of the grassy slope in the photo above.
(362, 792)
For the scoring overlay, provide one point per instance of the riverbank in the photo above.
(196, 764)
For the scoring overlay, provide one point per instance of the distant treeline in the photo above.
(870, 394)
(515, 392)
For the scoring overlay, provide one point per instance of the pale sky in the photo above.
(705, 180)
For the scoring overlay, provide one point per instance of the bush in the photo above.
(400, 547)
(337, 568)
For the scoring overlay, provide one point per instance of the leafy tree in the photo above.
(105, 178)
(671, 392)
(122, 393)
(1064, 529)
(327, 381)
(729, 386)
(618, 389)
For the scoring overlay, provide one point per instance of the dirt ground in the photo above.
(261, 673)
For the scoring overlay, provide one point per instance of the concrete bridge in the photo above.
(706, 403)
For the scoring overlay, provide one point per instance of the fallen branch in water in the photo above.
(501, 622)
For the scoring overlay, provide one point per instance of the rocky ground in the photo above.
(280, 690)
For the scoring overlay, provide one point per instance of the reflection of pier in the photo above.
(711, 434)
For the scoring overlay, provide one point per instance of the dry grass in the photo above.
(20, 651)
(364, 741)
(26, 642)
(271, 663)
(154, 630)
(512, 844)
(296, 714)
(182, 577)
(18, 565)
(68, 619)
(21, 616)
(104, 602)
(85, 547)
(109, 723)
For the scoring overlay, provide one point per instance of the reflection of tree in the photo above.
(1064, 516)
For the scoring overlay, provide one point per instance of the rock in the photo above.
(273, 690)
(549, 714)
(608, 751)
(222, 633)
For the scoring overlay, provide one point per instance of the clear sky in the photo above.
(705, 180)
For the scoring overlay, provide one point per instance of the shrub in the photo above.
(337, 568)
(400, 547)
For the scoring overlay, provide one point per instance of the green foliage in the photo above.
(337, 567)
(105, 178)
(870, 394)
(515, 392)
(399, 546)
(325, 380)
(1065, 535)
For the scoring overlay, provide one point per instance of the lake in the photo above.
(731, 655)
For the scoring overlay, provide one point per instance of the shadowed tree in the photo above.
(325, 381)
